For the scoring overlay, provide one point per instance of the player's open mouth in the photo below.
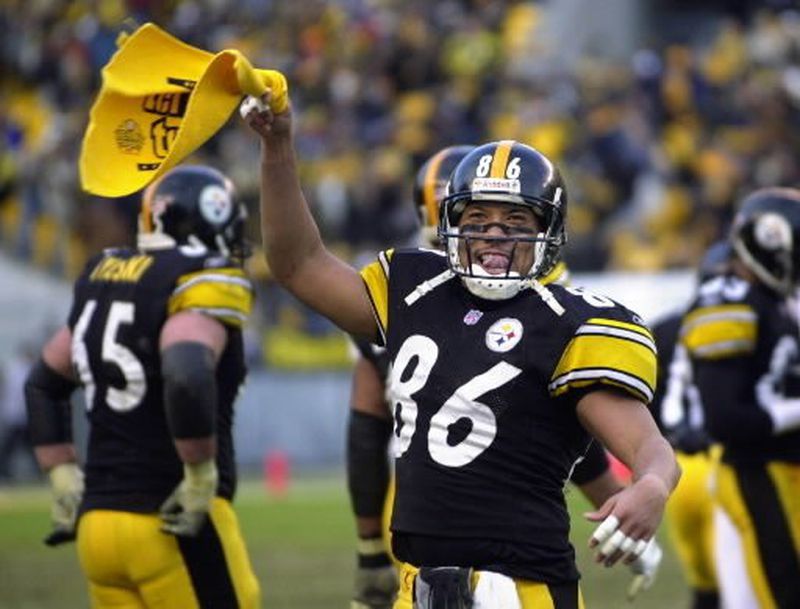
(494, 262)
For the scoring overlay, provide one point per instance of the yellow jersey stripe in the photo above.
(621, 324)
(720, 331)
(222, 293)
(214, 277)
(429, 189)
(726, 311)
(622, 333)
(614, 378)
(607, 358)
(376, 279)
(500, 159)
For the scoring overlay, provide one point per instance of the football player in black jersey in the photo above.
(742, 339)
(496, 381)
(154, 339)
(370, 427)
(679, 412)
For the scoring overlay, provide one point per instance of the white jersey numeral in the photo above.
(113, 352)
(426, 352)
(478, 420)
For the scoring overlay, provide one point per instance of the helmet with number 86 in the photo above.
(511, 173)
(766, 237)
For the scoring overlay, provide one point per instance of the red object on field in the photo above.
(277, 472)
(619, 469)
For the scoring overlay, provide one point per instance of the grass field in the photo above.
(300, 545)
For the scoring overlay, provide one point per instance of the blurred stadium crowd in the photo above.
(655, 148)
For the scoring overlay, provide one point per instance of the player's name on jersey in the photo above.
(121, 269)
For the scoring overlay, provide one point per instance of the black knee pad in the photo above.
(443, 588)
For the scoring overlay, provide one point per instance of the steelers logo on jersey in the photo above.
(504, 335)
(215, 204)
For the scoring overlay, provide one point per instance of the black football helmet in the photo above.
(193, 205)
(766, 236)
(429, 188)
(507, 172)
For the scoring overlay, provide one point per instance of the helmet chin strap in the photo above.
(482, 285)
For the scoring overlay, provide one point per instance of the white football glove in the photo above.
(645, 568)
(185, 511)
(66, 482)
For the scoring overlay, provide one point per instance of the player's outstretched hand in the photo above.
(66, 482)
(628, 521)
(185, 511)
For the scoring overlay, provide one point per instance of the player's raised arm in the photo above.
(294, 250)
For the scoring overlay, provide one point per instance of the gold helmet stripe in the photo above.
(500, 160)
(429, 189)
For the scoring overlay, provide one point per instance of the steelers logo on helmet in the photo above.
(504, 172)
(215, 204)
(766, 237)
(772, 232)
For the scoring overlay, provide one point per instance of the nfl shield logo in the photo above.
(472, 317)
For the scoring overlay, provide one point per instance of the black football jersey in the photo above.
(122, 299)
(483, 395)
(743, 344)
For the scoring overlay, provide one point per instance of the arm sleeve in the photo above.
(47, 396)
(190, 390)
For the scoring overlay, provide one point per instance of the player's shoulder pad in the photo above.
(610, 346)
(215, 287)
(722, 321)
(581, 303)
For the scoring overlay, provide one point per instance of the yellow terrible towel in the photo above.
(161, 99)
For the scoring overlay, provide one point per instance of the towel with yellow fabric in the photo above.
(160, 100)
